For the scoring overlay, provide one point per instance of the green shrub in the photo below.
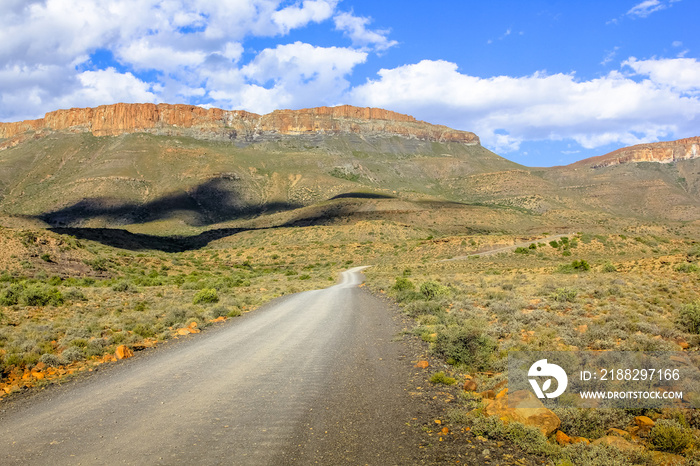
(41, 295)
(687, 267)
(566, 294)
(609, 267)
(575, 266)
(72, 354)
(466, 344)
(74, 294)
(668, 435)
(11, 296)
(521, 250)
(440, 377)
(123, 287)
(689, 317)
(528, 438)
(432, 290)
(554, 244)
(403, 284)
(46, 257)
(206, 296)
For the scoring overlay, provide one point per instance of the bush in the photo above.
(689, 317)
(432, 290)
(686, 267)
(403, 284)
(668, 435)
(50, 359)
(123, 286)
(609, 267)
(440, 377)
(554, 244)
(567, 295)
(575, 266)
(10, 296)
(206, 296)
(466, 344)
(72, 354)
(41, 295)
(521, 250)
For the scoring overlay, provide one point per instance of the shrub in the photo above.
(554, 244)
(403, 284)
(432, 290)
(72, 354)
(689, 317)
(466, 344)
(50, 359)
(46, 257)
(686, 267)
(10, 296)
(567, 295)
(440, 377)
(206, 296)
(41, 295)
(609, 267)
(575, 266)
(668, 435)
(123, 286)
(74, 294)
(521, 250)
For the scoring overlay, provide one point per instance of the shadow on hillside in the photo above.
(361, 195)
(215, 201)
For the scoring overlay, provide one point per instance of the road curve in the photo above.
(305, 379)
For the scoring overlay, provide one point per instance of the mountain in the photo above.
(177, 168)
(235, 125)
(661, 152)
(141, 163)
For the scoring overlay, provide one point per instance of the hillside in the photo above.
(183, 169)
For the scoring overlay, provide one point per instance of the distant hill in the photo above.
(179, 166)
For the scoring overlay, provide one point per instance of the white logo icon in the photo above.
(542, 369)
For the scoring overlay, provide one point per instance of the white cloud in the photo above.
(295, 16)
(613, 108)
(682, 74)
(356, 28)
(189, 48)
(647, 7)
(294, 75)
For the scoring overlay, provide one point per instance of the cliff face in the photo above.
(242, 126)
(663, 152)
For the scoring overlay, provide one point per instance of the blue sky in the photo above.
(541, 82)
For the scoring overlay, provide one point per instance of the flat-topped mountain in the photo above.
(662, 152)
(168, 165)
(236, 125)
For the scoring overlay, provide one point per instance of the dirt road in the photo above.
(308, 378)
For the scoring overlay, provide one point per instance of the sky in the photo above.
(541, 82)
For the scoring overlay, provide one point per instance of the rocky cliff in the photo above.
(663, 152)
(237, 125)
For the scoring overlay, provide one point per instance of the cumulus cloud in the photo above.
(184, 48)
(291, 75)
(682, 74)
(505, 111)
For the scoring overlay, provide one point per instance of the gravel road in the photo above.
(309, 378)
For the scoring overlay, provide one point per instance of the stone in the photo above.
(524, 407)
(562, 438)
(470, 386)
(123, 352)
(617, 442)
(667, 459)
(580, 440)
(619, 432)
(643, 421)
(422, 364)
(488, 394)
(184, 331)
